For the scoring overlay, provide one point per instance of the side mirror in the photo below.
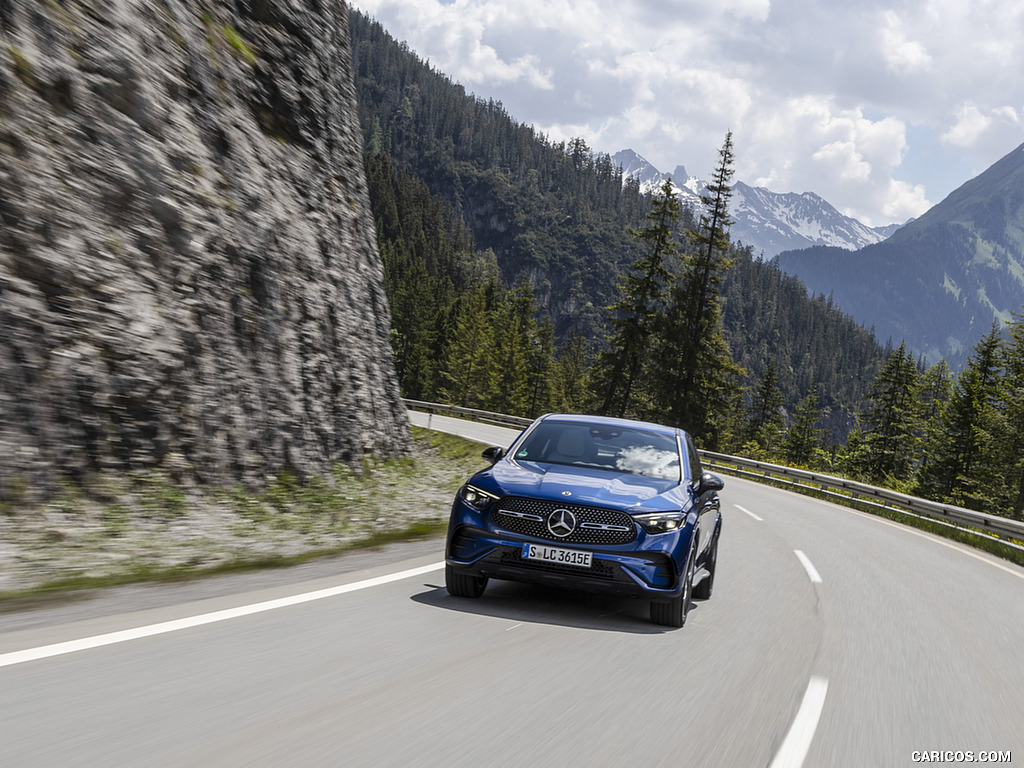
(710, 482)
(493, 453)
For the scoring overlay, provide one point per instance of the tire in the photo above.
(463, 584)
(703, 590)
(672, 613)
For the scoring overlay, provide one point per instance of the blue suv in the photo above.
(591, 503)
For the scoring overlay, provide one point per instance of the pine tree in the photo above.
(892, 422)
(964, 452)
(468, 373)
(543, 368)
(733, 427)
(415, 311)
(696, 376)
(850, 458)
(573, 375)
(619, 370)
(514, 336)
(1012, 439)
(933, 395)
(764, 426)
(803, 438)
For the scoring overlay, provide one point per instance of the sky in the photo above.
(882, 109)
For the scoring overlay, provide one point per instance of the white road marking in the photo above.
(96, 641)
(741, 509)
(801, 733)
(812, 572)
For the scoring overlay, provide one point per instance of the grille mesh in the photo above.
(584, 515)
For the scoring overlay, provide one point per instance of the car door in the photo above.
(706, 503)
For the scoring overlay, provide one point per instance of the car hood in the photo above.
(584, 485)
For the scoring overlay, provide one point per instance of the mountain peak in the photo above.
(769, 222)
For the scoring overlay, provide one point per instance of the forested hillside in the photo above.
(769, 318)
(478, 215)
(550, 211)
(942, 280)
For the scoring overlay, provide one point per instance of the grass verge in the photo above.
(148, 530)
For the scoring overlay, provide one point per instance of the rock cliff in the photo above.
(189, 278)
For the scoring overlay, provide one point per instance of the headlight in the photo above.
(475, 497)
(661, 522)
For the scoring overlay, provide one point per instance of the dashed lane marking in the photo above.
(742, 509)
(798, 741)
(805, 561)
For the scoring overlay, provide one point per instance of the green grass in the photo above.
(451, 447)
(319, 511)
(135, 573)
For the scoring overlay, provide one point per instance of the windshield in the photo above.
(614, 448)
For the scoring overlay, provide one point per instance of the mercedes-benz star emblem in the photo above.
(561, 523)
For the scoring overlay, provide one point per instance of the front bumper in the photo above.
(497, 555)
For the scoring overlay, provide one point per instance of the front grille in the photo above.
(594, 525)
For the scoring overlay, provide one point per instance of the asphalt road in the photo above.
(873, 643)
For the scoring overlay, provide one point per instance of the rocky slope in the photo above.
(189, 279)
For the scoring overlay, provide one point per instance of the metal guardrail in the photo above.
(498, 419)
(870, 495)
(1003, 528)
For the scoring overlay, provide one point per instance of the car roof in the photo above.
(610, 421)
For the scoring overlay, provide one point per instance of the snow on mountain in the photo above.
(773, 222)
(689, 188)
(770, 222)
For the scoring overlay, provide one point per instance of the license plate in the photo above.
(557, 555)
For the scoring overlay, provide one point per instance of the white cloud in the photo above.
(852, 101)
(841, 159)
(903, 201)
(900, 53)
(810, 144)
(457, 40)
(970, 124)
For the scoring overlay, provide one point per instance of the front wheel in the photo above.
(463, 584)
(672, 613)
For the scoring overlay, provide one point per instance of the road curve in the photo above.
(833, 639)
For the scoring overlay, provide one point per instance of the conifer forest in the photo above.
(527, 276)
